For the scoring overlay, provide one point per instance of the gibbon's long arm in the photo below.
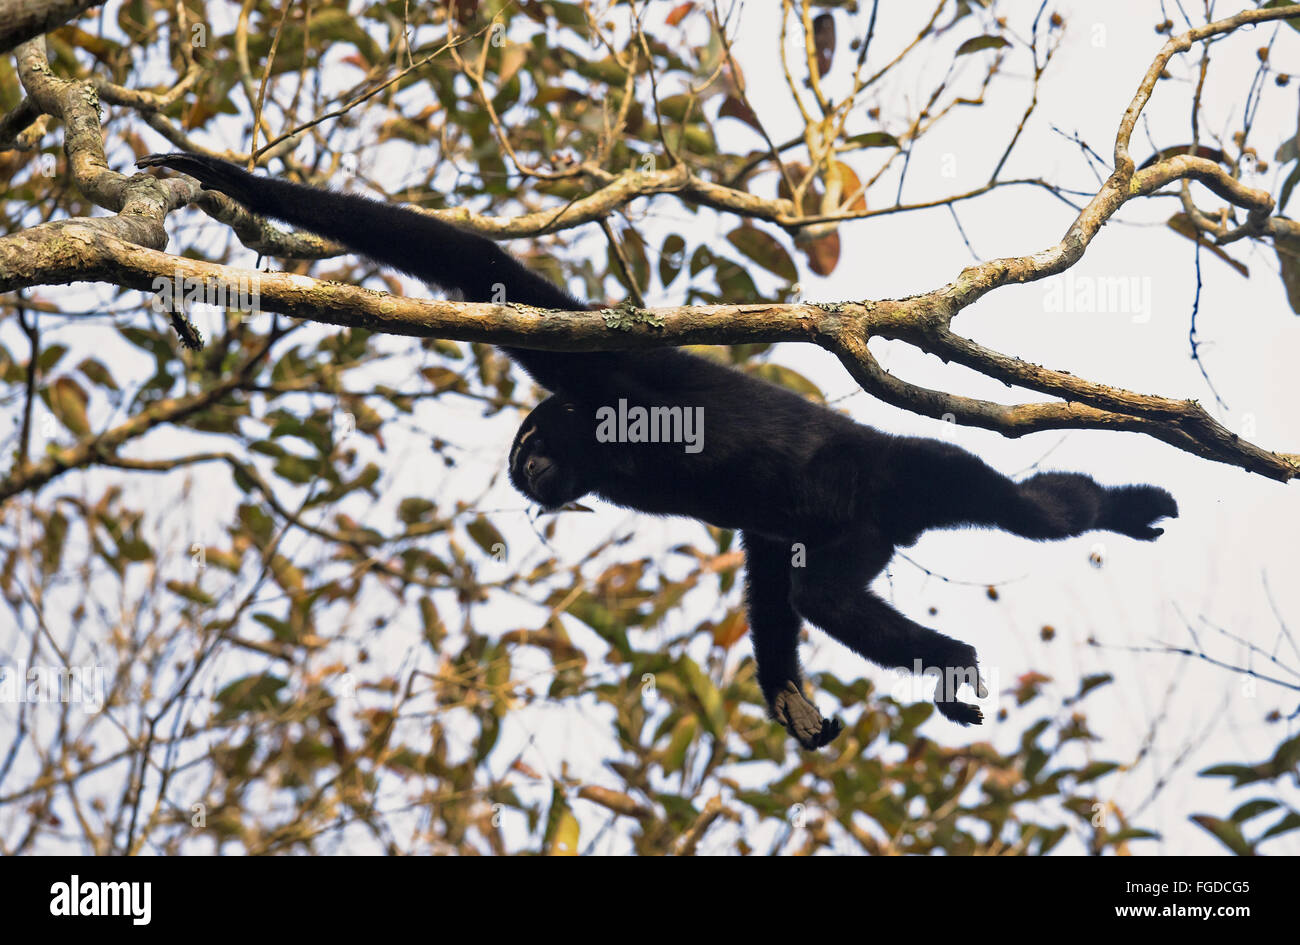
(436, 252)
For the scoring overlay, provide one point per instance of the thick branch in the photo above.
(21, 20)
(75, 250)
(83, 249)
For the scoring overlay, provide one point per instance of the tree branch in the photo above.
(21, 20)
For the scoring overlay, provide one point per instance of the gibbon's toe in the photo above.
(963, 713)
(831, 729)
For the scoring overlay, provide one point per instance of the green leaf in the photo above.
(135, 549)
(150, 341)
(670, 258)
(68, 402)
(701, 259)
(413, 508)
(1288, 823)
(257, 523)
(609, 624)
(701, 686)
(97, 373)
(791, 380)
(735, 282)
(191, 592)
(1226, 832)
(764, 249)
(1130, 833)
(1287, 186)
(444, 379)
(1094, 771)
(1252, 809)
(677, 107)
(486, 536)
(1241, 774)
(1286, 759)
(298, 469)
(683, 737)
(873, 139)
(633, 247)
(561, 837)
(1090, 683)
(49, 357)
(55, 533)
(249, 693)
(487, 740)
(977, 43)
(286, 573)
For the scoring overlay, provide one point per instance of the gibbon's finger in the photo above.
(174, 161)
(209, 173)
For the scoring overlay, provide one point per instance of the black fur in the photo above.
(821, 501)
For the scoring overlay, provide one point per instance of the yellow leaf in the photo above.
(68, 401)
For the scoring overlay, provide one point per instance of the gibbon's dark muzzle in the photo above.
(536, 467)
(542, 476)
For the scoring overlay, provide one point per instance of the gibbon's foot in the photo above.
(962, 668)
(963, 713)
(802, 720)
(1131, 510)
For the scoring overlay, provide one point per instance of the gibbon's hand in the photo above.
(211, 173)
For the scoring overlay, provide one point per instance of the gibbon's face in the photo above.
(545, 457)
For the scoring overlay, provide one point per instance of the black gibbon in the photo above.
(821, 501)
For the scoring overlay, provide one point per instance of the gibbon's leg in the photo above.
(938, 485)
(830, 591)
(774, 628)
